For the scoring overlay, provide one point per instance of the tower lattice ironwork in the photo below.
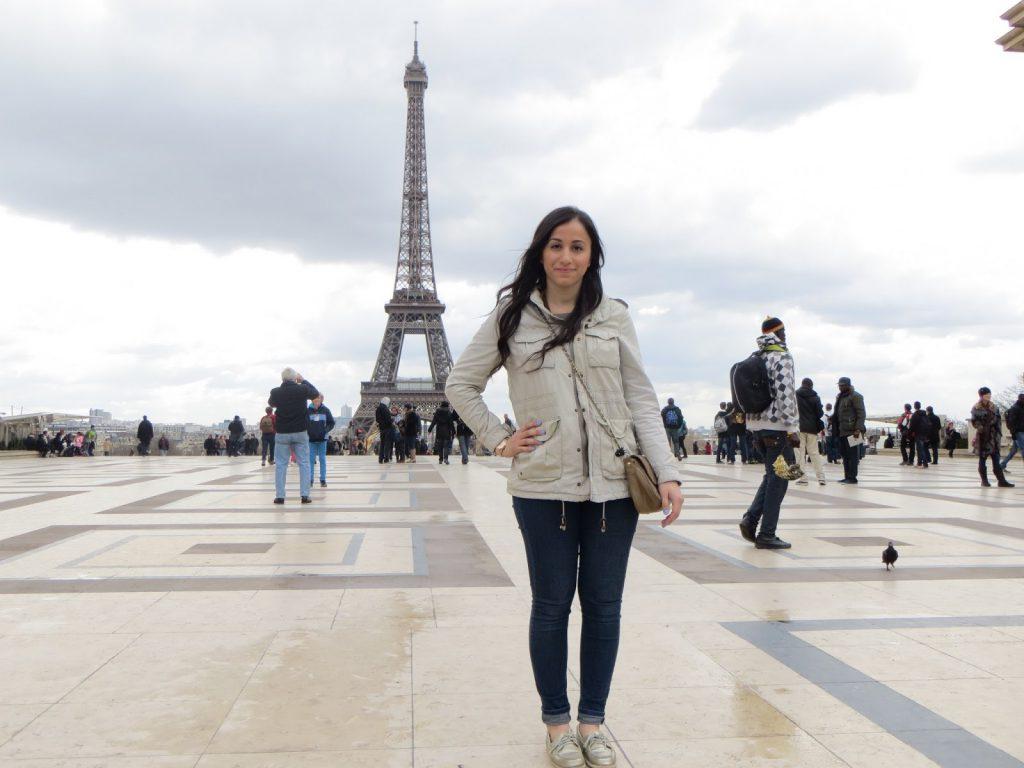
(414, 307)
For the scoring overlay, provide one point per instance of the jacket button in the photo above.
(578, 484)
(579, 450)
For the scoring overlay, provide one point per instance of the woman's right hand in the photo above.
(524, 439)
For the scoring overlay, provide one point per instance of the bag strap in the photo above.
(579, 376)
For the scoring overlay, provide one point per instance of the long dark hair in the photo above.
(530, 275)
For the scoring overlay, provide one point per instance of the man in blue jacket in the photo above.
(321, 422)
(290, 400)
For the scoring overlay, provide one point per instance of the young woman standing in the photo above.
(568, 482)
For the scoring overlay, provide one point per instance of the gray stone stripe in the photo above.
(976, 502)
(940, 740)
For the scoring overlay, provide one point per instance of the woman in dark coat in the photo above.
(444, 424)
(987, 419)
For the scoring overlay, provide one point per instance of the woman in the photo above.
(568, 480)
(952, 438)
(987, 419)
(443, 426)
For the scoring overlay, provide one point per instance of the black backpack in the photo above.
(751, 387)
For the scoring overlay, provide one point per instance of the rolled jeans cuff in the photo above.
(557, 718)
(590, 719)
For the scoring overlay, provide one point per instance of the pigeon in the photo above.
(889, 556)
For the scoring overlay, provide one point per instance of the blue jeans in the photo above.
(557, 561)
(830, 449)
(673, 440)
(318, 450)
(267, 441)
(923, 453)
(767, 501)
(284, 442)
(1016, 445)
(464, 448)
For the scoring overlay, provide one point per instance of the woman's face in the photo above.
(987, 397)
(567, 255)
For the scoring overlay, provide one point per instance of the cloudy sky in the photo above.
(194, 194)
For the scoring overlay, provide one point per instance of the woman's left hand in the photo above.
(671, 496)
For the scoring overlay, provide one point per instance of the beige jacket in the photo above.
(608, 356)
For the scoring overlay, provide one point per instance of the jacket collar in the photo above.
(599, 314)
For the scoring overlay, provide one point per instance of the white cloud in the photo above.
(266, 180)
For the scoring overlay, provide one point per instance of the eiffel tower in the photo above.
(414, 307)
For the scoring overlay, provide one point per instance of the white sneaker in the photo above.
(802, 481)
(821, 482)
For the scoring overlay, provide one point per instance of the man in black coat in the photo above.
(291, 400)
(386, 427)
(235, 431)
(443, 427)
(411, 428)
(810, 409)
(848, 421)
(145, 435)
(921, 427)
(934, 433)
(1015, 426)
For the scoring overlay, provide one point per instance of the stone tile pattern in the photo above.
(728, 656)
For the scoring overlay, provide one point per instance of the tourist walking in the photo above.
(290, 399)
(920, 428)
(987, 419)
(463, 433)
(385, 426)
(145, 436)
(721, 425)
(934, 433)
(321, 422)
(163, 445)
(443, 426)
(811, 411)
(906, 436)
(90, 440)
(737, 434)
(558, 336)
(236, 429)
(847, 423)
(777, 432)
(683, 432)
(1015, 426)
(412, 426)
(268, 428)
(397, 428)
(672, 419)
(831, 448)
(952, 438)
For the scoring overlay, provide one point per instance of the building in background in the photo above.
(1014, 39)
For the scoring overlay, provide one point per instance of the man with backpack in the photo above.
(811, 411)
(672, 418)
(321, 422)
(906, 437)
(764, 385)
(268, 427)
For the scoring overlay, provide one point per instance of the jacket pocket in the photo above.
(545, 461)
(611, 465)
(525, 347)
(602, 348)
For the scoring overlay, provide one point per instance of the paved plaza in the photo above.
(162, 613)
